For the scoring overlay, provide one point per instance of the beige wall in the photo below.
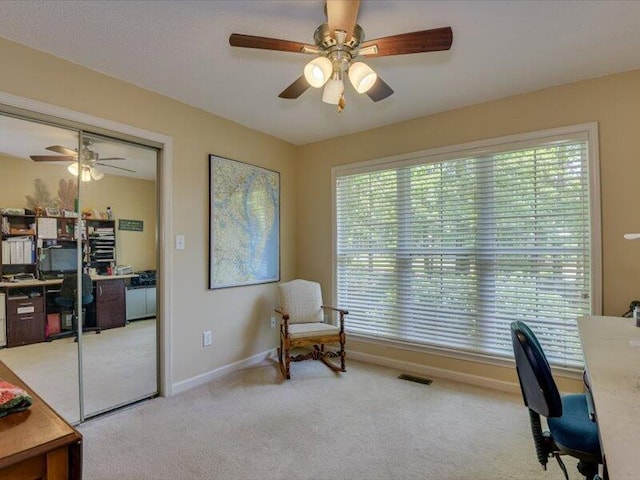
(129, 198)
(613, 102)
(238, 317)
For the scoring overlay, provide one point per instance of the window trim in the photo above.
(492, 145)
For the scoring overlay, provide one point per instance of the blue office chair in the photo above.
(571, 429)
(67, 298)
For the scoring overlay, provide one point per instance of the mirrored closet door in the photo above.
(78, 262)
(120, 255)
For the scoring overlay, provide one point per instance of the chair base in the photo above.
(318, 353)
(588, 469)
(74, 328)
(71, 333)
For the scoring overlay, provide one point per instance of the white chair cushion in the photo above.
(302, 300)
(303, 330)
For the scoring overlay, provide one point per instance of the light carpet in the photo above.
(364, 424)
(119, 366)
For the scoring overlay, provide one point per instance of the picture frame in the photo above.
(244, 224)
(52, 211)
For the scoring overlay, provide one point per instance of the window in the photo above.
(447, 248)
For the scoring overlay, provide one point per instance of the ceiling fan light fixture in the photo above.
(86, 175)
(96, 173)
(333, 91)
(318, 71)
(73, 169)
(362, 76)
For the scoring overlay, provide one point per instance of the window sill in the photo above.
(564, 372)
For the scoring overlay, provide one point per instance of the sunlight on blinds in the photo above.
(448, 253)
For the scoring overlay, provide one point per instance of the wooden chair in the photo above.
(303, 324)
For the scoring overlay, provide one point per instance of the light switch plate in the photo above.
(179, 242)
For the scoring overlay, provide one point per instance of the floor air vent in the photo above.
(413, 378)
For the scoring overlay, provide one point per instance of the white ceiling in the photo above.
(21, 139)
(180, 49)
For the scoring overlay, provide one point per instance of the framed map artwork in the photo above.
(244, 228)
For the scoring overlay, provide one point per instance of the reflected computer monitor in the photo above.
(58, 261)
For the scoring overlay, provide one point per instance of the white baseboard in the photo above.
(219, 372)
(461, 377)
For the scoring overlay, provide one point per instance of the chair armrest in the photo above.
(342, 311)
(587, 387)
(284, 323)
(590, 406)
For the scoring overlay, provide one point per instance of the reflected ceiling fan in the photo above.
(338, 44)
(90, 161)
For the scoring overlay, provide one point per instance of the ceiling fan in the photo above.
(338, 44)
(90, 163)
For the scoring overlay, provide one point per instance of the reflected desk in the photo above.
(26, 306)
(611, 347)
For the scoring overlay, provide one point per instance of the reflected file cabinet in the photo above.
(110, 303)
(141, 303)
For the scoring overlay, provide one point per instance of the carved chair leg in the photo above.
(280, 361)
(287, 361)
(343, 354)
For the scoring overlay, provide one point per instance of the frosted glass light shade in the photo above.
(96, 173)
(86, 175)
(318, 71)
(73, 169)
(362, 77)
(333, 90)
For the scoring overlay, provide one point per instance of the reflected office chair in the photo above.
(67, 299)
(303, 324)
(571, 429)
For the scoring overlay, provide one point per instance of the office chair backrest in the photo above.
(539, 390)
(70, 286)
(302, 300)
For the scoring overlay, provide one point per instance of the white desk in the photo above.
(58, 281)
(613, 363)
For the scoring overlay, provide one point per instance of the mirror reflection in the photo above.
(78, 265)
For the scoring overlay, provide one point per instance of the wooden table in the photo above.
(611, 348)
(37, 443)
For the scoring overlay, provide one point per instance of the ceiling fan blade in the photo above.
(53, 158)
(62, 150)
(113, 166)
(112, 158)
(432, 40)
(296, 89)
(379, 91)
(251, 41)
(342, 15)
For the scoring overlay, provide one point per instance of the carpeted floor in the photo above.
(119, 366)
(365, 424)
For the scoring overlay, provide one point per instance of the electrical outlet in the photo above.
(273, 322)
(206, 338)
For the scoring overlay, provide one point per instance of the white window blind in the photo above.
(448, 253)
